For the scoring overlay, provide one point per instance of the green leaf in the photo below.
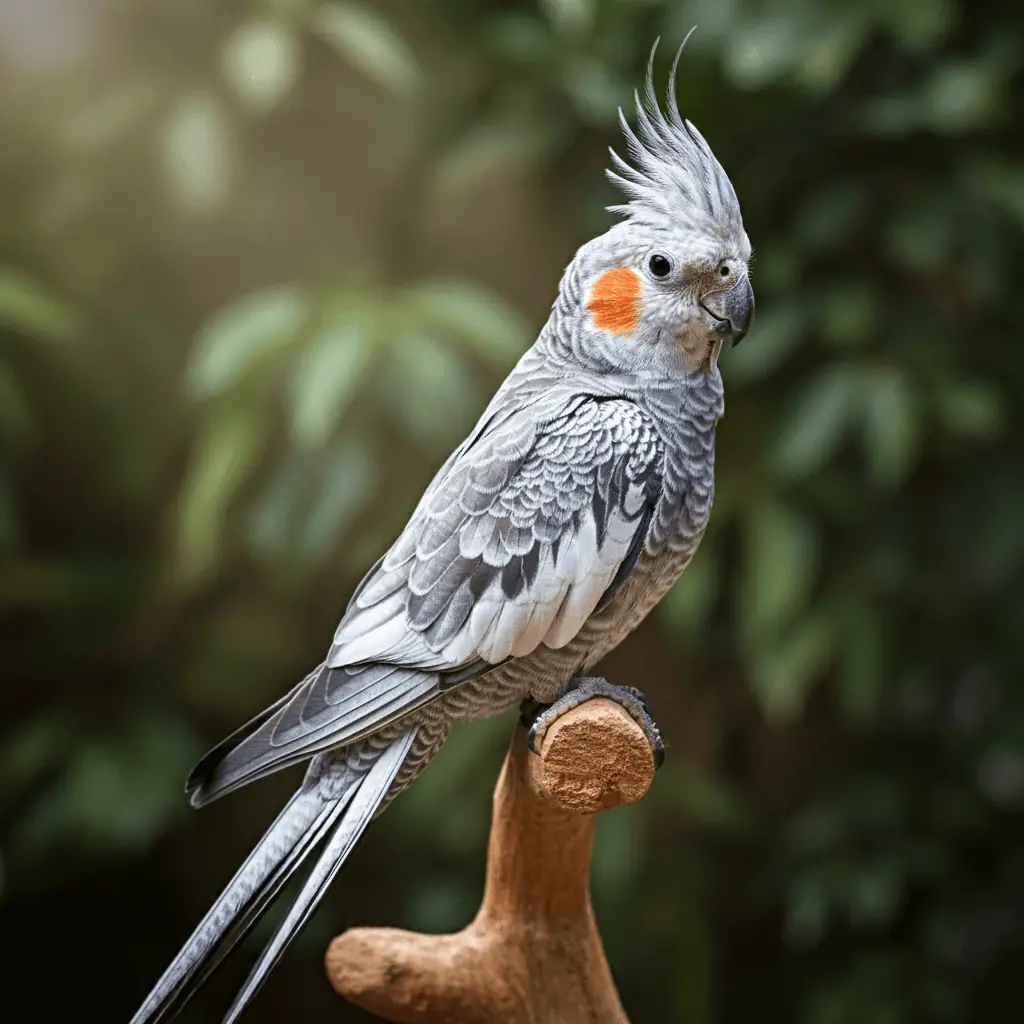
(1001, 184)
(875, 892)
(118, 791)
(775, 337)
(326, 378)
(273, 523)
(618, 850)
(199, 152)
(831, 215)
(921, 24)
(227, 451)
(781, 554)
(521, 38)
(891, 426)
(367, 41)
(963, 95)
(971, 409)
(920, 238)
(779, 271)
(831, 52)
(569, 16)
(34, 748)
(10, 527)
(819, 421)
(27, 307)
(717, 20)
(595, 92)
(686, 607)
(807, 910)
(473, 315)
(239, 338)
(849, 314)
(764, 48)
(709, 803)
(783, 671)
(892, 116)
(15, 416)
(861, 668)
(108, 117)
(462, 763)
(491, 146)
(440, 904)
(429, 388)
(261, 60)
(347, 482)
(312, 498)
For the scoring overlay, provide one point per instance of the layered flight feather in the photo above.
(513, 546)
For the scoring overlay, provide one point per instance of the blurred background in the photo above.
(262, 263)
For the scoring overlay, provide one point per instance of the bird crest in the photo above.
(672, 174)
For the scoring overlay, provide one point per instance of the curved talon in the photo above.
(641, 697)
(659, 753)
(531, 737)
(529, 709)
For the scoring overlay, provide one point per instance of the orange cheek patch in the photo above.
(615, 301)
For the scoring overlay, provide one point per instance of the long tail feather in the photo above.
(305, 820)
(360, 809)
(252, 910)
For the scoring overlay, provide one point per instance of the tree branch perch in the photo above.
(533, 954)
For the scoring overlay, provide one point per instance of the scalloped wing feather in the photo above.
(515, 546)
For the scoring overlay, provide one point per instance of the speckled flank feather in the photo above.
(574, 504)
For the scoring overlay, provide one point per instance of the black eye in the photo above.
(661, 266)
(724, 270)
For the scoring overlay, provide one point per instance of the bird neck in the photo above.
(694, 392)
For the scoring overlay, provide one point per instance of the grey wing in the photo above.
(513, 546)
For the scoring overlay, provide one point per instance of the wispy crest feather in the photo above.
(673, 172)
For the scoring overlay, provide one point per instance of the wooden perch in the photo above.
(533, 954)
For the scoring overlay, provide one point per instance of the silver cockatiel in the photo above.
(551, 531)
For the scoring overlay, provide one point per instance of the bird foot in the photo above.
(538, 717)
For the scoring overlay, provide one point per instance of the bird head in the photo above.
(665, 287)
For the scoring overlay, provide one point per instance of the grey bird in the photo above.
(574, 504)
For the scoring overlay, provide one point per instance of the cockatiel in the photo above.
(551, 531)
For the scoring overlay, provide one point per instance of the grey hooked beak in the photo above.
(733, 309)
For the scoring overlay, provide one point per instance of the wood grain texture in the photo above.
(533, 954)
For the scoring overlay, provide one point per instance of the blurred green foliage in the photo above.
(261, 265)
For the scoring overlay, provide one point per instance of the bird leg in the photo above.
(538, 717)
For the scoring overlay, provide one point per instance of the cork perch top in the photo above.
(533, 954)
(593, 758)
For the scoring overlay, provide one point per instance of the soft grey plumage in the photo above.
(547, 536)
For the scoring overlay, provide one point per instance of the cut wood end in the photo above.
(412, 978)
(355, 964)
(592, 758)
(383, 968)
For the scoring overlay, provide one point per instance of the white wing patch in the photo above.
(515, 546)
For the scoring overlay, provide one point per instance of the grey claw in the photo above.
(529, 709)
(659, 754)
(640, 696)
(531, 736)
(538, 716)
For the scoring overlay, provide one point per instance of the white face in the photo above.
(662, 300)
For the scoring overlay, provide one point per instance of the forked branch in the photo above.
(533, 954)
